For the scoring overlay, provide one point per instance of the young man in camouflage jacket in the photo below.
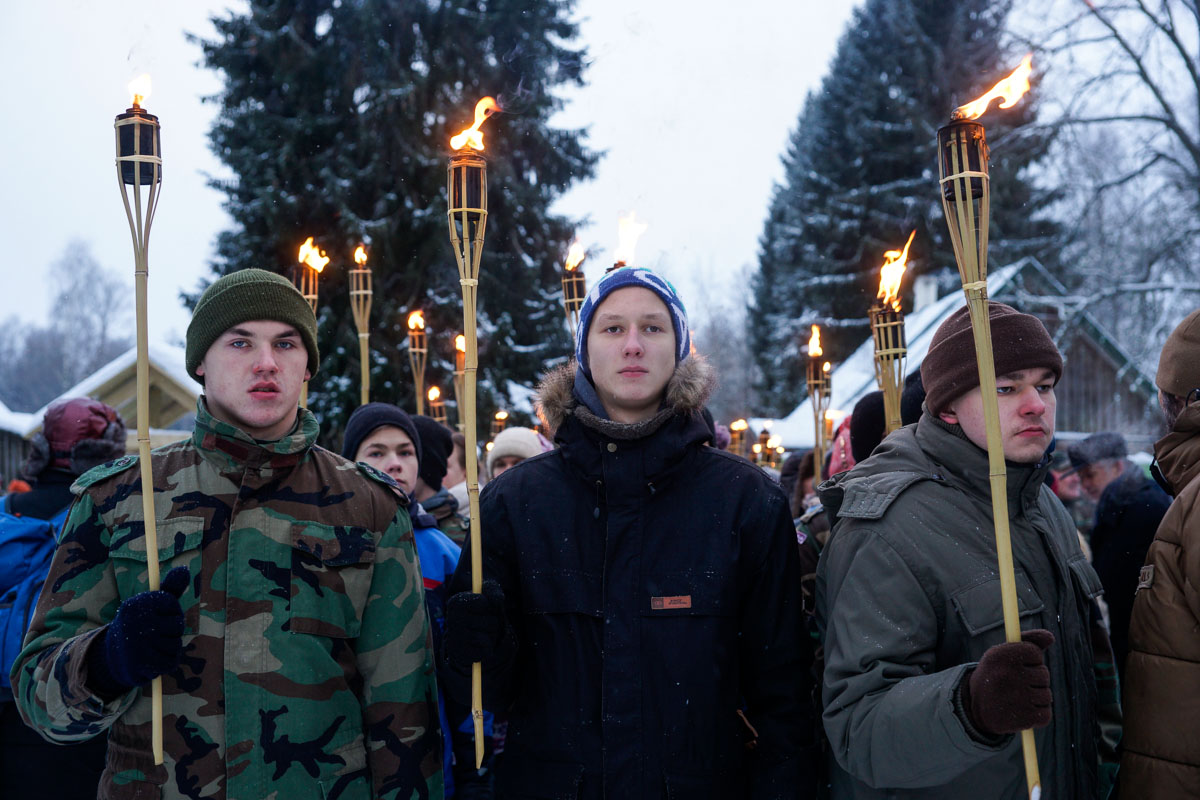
(290, 630)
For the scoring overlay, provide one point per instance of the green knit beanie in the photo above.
(245, 296)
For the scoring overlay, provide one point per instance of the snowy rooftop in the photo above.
(855, 376)
(14, 421)
(169, 359)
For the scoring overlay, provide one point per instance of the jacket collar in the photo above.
(1178, 453)
(687, 392)
(964, 462)
(662, 441)
(231, 448)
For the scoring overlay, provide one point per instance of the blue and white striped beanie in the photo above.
(621, 279)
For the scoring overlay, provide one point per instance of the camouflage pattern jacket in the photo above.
(307, 668)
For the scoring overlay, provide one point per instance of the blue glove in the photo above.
(144, 640)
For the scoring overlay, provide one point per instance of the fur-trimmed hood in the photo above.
(687, 391)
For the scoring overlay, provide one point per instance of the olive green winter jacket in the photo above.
(908, 599)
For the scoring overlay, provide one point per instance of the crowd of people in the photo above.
(659, 617)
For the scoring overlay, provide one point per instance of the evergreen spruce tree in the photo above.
(861, 173)
(335, 119)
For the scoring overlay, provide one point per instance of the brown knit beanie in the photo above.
(245, 296)
(1179, 363)
(1019, 341)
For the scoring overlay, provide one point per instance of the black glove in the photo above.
(477, 628)
(144, 640)
(1010, 689)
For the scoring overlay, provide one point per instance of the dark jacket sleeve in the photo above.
(776, 660)
(890, 717)
(499, 564)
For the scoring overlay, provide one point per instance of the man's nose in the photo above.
(633, 343)
(1032, 402)
(265, 360)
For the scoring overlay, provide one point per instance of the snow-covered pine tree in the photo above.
(335, 120)
(860, 173)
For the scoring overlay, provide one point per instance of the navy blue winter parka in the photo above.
(652, 585)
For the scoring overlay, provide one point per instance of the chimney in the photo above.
(925, 292)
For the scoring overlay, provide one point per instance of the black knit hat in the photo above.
(244, 296)
(367, 419)
(436, 445)
(1019, 341)
(912, 398)
(866, 425)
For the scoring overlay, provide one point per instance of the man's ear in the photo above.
(307, 375)
(200, 369)
(949, 415)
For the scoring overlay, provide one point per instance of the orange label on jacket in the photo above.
(678, 601)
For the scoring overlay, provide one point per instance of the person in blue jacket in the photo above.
(385, 437)
(77, 434)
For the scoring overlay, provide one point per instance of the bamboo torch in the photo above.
(467, 213)
(418, 353)
(887, 330)
(820, 385)
(574, 285)
(963, 168)
(360, 302)
(306, 281)
(460, 368)
(737, 436)
(139, 164)
(499, 423)
(437, 406)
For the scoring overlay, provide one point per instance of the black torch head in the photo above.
(962, 148)
(468, 183)
(138, 141)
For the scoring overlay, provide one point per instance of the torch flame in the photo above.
(139, 87)
(575, 255)
(360, 255)
(825, 367)
(739, 425)
(472, 137)
(814, 343)
(629, 230)
(774, 442)
(460, 343)
(312, 255)
(501, 415)
(434, 393)
(416, 320)
(891, 273)
(1011, 89)
(829, 415)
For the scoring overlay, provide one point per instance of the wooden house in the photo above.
(1102, 389)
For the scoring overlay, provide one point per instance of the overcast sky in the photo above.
(676, 90)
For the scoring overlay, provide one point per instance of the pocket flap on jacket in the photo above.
(981, 609)
(563, 591)
(175, 536)
(334, 545)
(1086, 577)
